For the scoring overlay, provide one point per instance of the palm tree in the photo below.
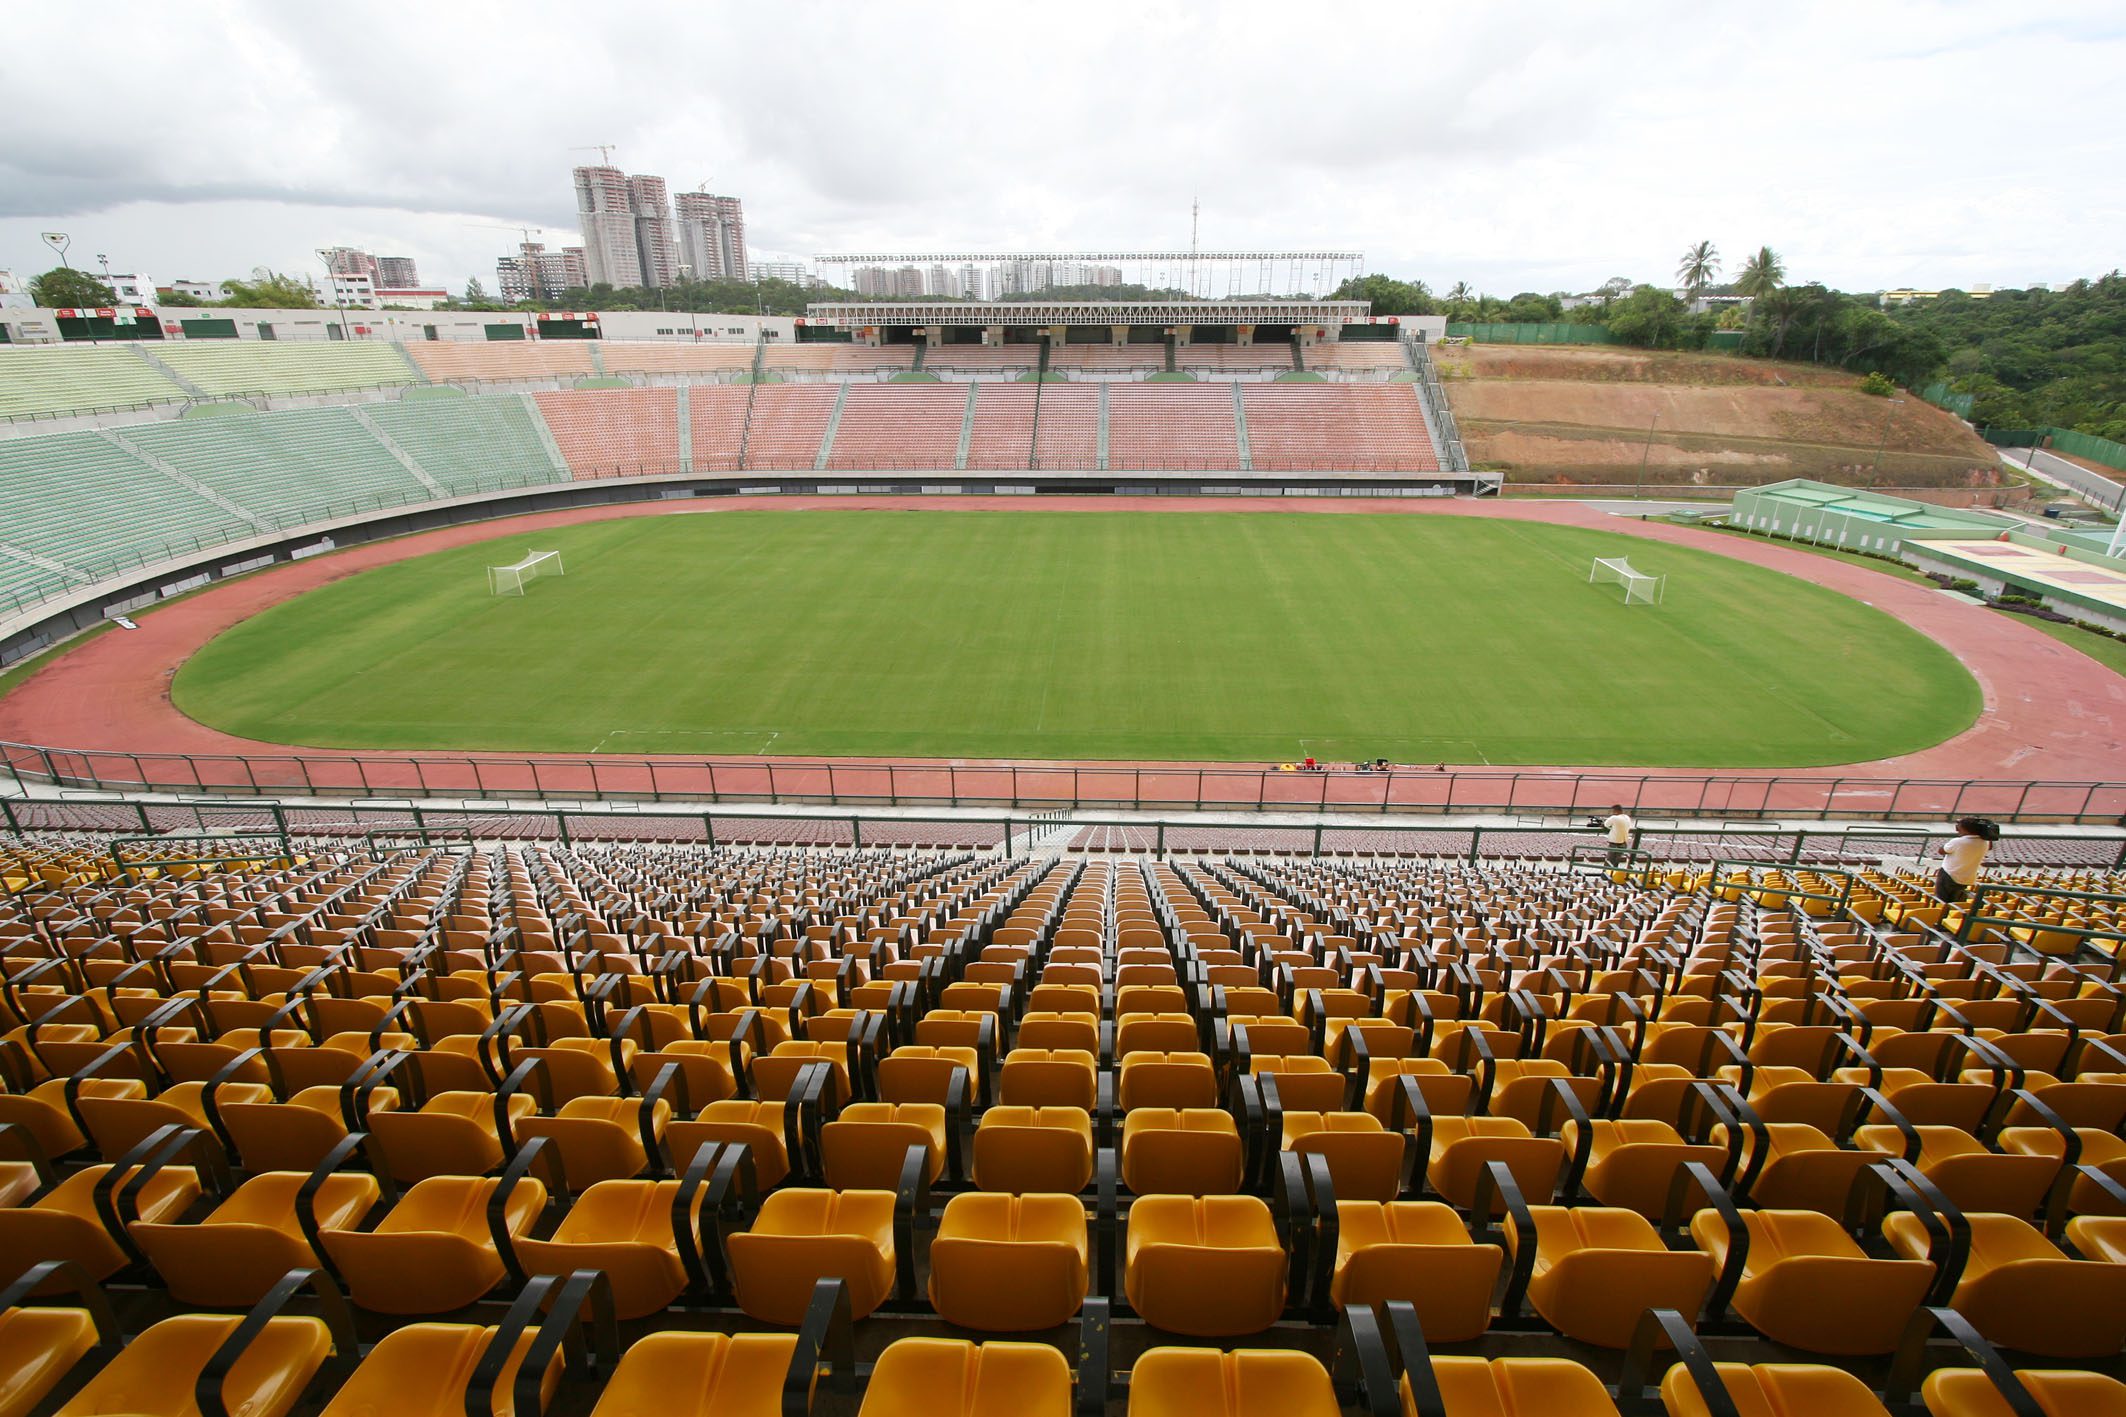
(1762, 273)
(1461, 293)
(1700, 264)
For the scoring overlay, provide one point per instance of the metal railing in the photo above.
(1138, 787)
(1728, 854)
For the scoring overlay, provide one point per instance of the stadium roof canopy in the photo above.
(859, 314)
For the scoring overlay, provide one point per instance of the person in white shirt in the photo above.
(1618, 825)
(1961, 858)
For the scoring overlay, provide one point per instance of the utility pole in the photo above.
(1638, 487)
(324, 253)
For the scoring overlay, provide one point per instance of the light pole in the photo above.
(324, 253)
(59, 241)
(1638, 487)
(1881, 447)
(105, 262)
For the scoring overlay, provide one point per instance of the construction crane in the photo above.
(604, 151)
(523, 231)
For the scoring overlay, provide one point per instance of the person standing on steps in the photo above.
(1618, 825)
(1962, 856)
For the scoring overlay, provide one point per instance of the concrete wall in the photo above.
(40, 326)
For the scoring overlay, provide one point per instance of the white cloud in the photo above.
(1516, 145)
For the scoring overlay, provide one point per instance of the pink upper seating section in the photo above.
(645, 357)
(899, 426)
(1234, 356)
(719, 416)
(1109, 357)
(1070, 427)
(614, 432)
(1361, 427)
(1356, 354)
(1003, 425)
(453, 361)
(984, 359)
(1171, 426)
(861, 358)
(788, 422)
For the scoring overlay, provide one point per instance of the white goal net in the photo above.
(1639, 588)
(511, 579)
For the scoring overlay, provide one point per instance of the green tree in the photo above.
(63, 288)
(1460, 294)
(1388, 295)
(270, 290)
(1650, 316)
(177, 298)
(1761, 273)
(1699, 267)
(1528, 308)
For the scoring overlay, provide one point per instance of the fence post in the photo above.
(8, 811)
(1317, 838)
(1008, 827)
(1159, 842)
(1476, 835)
(280, 818)
(1794, 857)
(142, 809)
(561, 824)
(856, 831)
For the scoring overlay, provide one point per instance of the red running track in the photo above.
(2051, 715)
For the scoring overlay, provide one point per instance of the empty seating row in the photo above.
(604, 431)
(470, 444)
(37, 382)
(286, 468)
(558, 1347)
(1233, 356)
(83, 502)
(1007, 1093)
(447, 361)
(222, 367)
(1171, 426)
(899, 426)
(1360, 426)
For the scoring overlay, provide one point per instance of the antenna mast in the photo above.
(1195, 214)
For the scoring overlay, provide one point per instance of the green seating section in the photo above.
(75, 498)
(470, 444)
(49, 381)
(286, 467)
(270, 367)
(88, 503)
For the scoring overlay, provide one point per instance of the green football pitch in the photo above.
(1155, 635)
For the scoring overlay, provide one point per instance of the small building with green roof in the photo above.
(1854, 518)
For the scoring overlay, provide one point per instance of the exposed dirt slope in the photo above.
(1583, 415)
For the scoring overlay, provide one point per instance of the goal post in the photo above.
(511, 579)
(1639, 588)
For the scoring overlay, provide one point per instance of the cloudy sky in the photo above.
(1541, 146)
